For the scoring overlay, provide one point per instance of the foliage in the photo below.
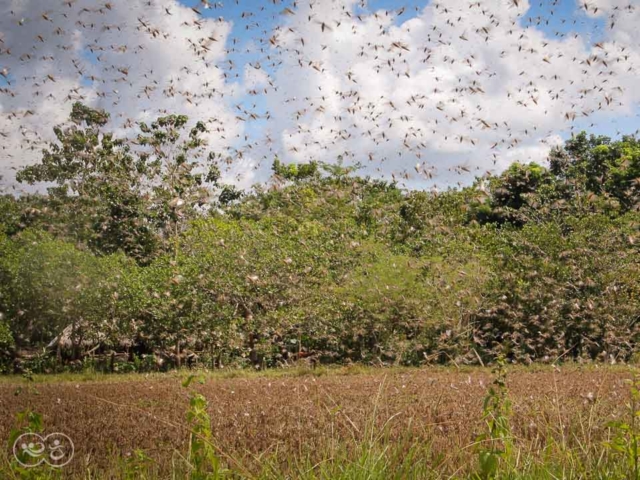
(511, 192)
(202, 455)
(7, 345)
(121, 193)
(27, 421)
(563, 289)
(602, 166)
(626, 440)
(97, 175)
(294, 171)
(537, 264)
(496, 443)
(50, 284)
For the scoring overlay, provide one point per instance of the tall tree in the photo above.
(127, 194)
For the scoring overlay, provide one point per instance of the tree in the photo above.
(510, 192)
(98, 182)
(48, 284)
(181, 174)
(127, 194)
(600, 166)
(623, 180)
(295, 172)
(10, 215)
(583, 159)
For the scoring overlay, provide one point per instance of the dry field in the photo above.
(292, 425)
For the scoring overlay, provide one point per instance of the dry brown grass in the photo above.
(309, 416)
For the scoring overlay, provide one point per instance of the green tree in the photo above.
(510, 193)
(127, 194)
(181, 174)
(295, 172)
(598, 165)
(98, 182)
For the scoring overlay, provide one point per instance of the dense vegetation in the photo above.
(137, 245)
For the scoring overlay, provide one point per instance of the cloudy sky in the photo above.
(426, 92)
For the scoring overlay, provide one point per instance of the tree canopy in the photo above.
(535, 263)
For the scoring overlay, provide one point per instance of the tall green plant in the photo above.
(626, 433)
(496, 442)
(202, 454)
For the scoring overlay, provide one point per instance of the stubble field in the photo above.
(420, 423)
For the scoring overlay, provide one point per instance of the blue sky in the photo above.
(555, 18)
(431, 98)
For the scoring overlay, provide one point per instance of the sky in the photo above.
(428, 93)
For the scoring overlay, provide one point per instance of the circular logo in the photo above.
(31, 450)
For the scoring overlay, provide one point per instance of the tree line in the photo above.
(137, 244)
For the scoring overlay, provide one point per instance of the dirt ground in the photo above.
(307, 414)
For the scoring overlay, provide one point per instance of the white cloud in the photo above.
(254, 78)
(462, 84)
(460, 88)
(134, 60)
